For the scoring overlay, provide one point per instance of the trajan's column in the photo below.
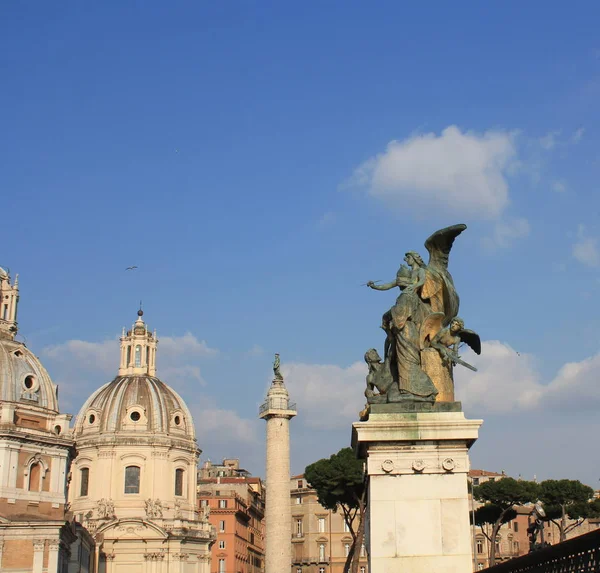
(278, 412)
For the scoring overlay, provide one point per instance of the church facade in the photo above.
(114, 494)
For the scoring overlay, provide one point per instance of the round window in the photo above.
(28, 382)
(92, 419)
(177, 420)
(135, 416)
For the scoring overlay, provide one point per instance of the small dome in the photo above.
(23, 379)
(130, 404)
(3, 274)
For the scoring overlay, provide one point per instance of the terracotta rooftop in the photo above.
(484, 473)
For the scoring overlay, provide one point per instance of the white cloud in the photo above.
(549, 140)
(506, 232)
(187, 344)
(179, 376)
(102, 356)
(454, 172)
(256, 350)
(328, 396)
(221, 426)
(578, 135)
(506, 380)
(585, 250)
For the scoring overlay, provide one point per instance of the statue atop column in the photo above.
(423, 331)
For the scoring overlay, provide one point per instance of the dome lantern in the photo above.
(138, 350)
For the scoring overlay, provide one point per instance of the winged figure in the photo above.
(438, 287)
(448, 339)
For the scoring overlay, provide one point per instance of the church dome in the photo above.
(136, 401)
(133, 404)
(23, 379)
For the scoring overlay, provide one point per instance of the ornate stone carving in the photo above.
(418, 465)
(38, 544)
(448, 464)
(387, 466)
(105, 509)
(153, 508)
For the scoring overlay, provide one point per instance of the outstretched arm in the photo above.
(385, 286)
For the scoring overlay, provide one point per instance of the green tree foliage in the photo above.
(567, 498)
(340, 485)
(503, 495)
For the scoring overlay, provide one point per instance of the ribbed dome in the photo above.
(130, 404)
(23, 379)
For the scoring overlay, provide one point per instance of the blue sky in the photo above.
(260, 161)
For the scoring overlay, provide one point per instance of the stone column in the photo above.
(278, 412)
(417, 464)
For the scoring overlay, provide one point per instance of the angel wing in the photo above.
(472, 339)
(430, 327)
(439, 245)
(439, 286)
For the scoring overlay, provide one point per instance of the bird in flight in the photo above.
(131, 268)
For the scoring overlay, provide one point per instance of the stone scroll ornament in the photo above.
(422, 330)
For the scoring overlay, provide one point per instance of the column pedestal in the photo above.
(417, 464)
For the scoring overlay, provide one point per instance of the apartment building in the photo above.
(235, 503)
(321, 540)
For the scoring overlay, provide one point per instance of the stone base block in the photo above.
(418, 510)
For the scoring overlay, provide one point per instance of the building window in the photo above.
(497, 545)
(178, 482)
(203, 502)
(509, 524)
(475, 481)
(298, 528)
(321, 525)
(480, 546)
(132, 479)
(346, 549)
(321, 552)
(129, 356)
(515, 546)
(300, 484)
(298, 570)
(479, 566)
(346, 528)
(84, 481)
(363, 550)
(138, 356)
(516, 526)
(321, 569)
(34, 477)
(299, 500)
(221, 565)
(221, 544)
(492, 479)
(222, 526)
(222, 503)
(363, 569)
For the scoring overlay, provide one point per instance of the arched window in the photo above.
(178, 482)
(84, 476)
(138, 356)
(35, 472)
(129, 356)
(132, 479)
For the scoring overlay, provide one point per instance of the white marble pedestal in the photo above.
(418, 509)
